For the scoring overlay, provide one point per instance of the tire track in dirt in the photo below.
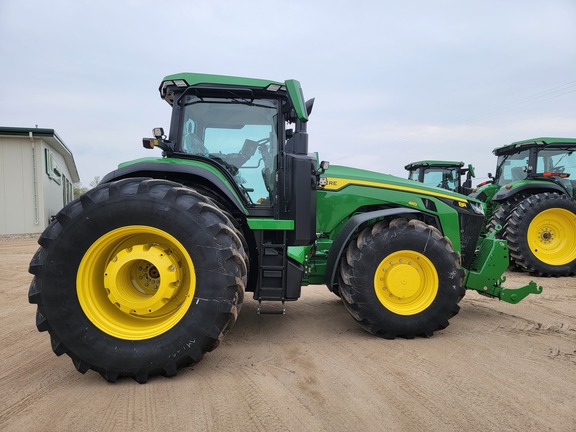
(558, 354)
(516, 323)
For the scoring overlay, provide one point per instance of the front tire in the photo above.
(138, 277)
(541, 234)
(401, 279)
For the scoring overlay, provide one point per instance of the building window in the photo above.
(52, 168)
(67, 190)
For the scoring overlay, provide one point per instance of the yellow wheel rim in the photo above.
(136, 282)
(552, 236)
(406, 282)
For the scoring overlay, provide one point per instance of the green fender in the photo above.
(344, 236)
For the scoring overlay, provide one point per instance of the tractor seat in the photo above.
(193, 145)
(518, 173)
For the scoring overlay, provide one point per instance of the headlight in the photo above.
(477, 207)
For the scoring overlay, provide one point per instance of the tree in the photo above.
(94, 182)
(79, 189)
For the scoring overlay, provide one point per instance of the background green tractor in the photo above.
(532, 197)
(147, 271)
(443, 174)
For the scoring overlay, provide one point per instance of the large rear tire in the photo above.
(502, 213)
(401, 279)
(138, 277)
(500, 219)
(541, 234)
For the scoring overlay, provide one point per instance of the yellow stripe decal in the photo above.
(335, 183)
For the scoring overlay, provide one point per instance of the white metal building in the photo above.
(37, 176)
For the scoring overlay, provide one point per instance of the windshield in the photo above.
(238, 133)
(445, 178)
(512, 167)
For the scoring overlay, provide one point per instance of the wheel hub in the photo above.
(406, 282)
(142, 279)
(403, 280)
(546, 235)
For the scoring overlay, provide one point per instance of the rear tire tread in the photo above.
(228, 242)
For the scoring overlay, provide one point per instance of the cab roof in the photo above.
(434, 163)
(535, 142)
(188, 79)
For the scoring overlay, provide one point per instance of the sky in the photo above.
(393, 81)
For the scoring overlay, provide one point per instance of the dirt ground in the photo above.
(497, 367)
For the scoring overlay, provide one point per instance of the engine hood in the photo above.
(338, 177)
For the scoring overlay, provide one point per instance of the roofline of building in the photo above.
(50, 136)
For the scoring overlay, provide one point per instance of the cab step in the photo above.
(271, 308)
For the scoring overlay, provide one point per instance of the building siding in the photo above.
(28, 196)
(16, 185)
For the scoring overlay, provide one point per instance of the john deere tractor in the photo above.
(443, 174)
(532, 198)
(147, 271)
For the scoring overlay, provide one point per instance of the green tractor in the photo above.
(146, 272)
(443, 174)
(531, 197)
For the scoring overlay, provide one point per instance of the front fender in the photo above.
(344, 236)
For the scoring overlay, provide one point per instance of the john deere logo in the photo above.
(412, 203)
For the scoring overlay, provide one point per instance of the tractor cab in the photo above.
(442, 174)
(252, 133)
(239, 134)
(552, 160)
(528, 167)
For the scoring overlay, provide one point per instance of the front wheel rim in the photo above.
(406, 282)
(552, 236)
(135, 282)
